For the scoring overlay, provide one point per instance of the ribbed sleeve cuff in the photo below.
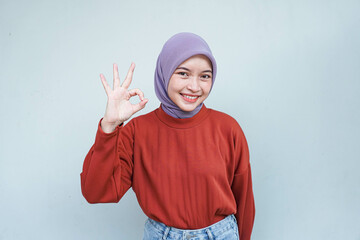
(101, 133)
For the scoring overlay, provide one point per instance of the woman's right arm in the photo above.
(107, 168)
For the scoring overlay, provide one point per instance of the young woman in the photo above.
(187, 164)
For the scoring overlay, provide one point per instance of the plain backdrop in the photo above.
(288, 71)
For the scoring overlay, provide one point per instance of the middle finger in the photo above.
(129, 75)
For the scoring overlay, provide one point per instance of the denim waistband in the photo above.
(212, 231)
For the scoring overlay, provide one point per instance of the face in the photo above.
(190, 83)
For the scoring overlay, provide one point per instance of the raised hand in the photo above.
(119, 108)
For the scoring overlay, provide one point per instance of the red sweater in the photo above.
(186, 173)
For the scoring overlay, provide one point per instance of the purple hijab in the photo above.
(176, 50)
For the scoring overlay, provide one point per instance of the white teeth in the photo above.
(190, 97)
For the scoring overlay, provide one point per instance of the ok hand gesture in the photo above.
(119, 108)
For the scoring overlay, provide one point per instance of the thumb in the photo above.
(140, 105)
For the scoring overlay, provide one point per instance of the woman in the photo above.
(188, 164)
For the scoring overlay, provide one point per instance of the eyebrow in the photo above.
(184, 68)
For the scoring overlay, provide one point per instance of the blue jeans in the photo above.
(225, 229)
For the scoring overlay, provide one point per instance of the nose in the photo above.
(193, 84)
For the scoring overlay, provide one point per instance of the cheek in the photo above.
(170, 87)
(173, 88)
(171, 91)
(207, 87)
(173, 83)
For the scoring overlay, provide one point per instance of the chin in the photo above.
(188, 108)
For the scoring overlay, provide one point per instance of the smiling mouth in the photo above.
(189, 98)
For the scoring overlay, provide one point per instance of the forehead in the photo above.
(197, 61)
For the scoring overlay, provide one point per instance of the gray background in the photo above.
(288, 71)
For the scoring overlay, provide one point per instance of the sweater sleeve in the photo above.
(242, 189)
(107, 168)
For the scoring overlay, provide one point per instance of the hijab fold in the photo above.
(176, 50)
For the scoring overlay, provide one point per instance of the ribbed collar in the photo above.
(182, 122)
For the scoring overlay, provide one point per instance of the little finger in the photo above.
(105, 84)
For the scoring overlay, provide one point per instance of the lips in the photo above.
(190, 98)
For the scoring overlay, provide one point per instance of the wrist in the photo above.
(108, 127)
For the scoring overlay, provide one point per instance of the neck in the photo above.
(178, 113)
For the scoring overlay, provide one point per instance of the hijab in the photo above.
(176, 50)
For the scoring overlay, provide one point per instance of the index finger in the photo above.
(129, 75)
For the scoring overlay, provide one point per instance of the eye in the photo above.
(184, 74)
(206, 76)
